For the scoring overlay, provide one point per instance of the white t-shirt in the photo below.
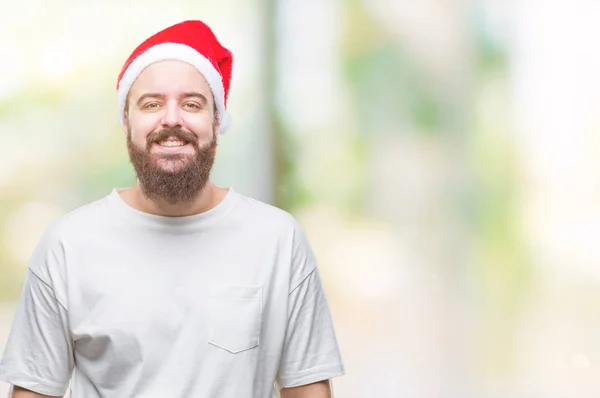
(220, 304)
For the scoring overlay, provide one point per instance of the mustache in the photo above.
(163, 134)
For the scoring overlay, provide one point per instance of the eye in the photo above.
(192, 106)
(152, 105)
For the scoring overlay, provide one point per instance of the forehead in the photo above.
(170, 77)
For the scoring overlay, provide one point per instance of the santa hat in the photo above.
(192, 42)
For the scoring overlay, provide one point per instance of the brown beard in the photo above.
(187, 175)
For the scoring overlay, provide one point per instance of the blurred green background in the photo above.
(443, 157)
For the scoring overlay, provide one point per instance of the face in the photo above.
(171, 131)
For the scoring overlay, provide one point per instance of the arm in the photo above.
(310, 354)
(19, 392)
(39, 352)
(320, 389)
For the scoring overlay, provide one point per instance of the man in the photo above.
(174, 287)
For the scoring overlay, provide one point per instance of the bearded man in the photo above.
(174, 287)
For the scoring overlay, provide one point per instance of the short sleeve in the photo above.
(39, 352)
(310, 353)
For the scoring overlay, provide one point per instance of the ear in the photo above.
(125, 125)
(217, 127)
(216, 123)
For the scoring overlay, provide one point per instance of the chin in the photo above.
(171, 166)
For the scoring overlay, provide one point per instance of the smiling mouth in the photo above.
(171, 143)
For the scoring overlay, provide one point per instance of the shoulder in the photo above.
(70, 226)
(76, 221)
(266, 216)
(281, 226)
(268, 219)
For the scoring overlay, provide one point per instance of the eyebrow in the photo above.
(190, 94)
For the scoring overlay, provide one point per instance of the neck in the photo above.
(209, 197)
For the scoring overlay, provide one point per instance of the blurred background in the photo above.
(442, 155)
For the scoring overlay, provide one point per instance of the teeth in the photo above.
(171, 143)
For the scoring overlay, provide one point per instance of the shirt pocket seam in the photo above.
(235, 317)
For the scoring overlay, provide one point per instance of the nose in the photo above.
(172, 115)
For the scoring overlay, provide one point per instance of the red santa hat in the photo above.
(192, 42)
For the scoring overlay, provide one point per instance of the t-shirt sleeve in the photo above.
(310, 351)
(39, 351)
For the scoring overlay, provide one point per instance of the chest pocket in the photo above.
(234, 316)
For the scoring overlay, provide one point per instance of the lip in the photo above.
(171, 149)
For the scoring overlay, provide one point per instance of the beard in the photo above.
(172, 177)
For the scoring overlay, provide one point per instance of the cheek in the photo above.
(201, 125)
(140, 128)
(138, 137)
